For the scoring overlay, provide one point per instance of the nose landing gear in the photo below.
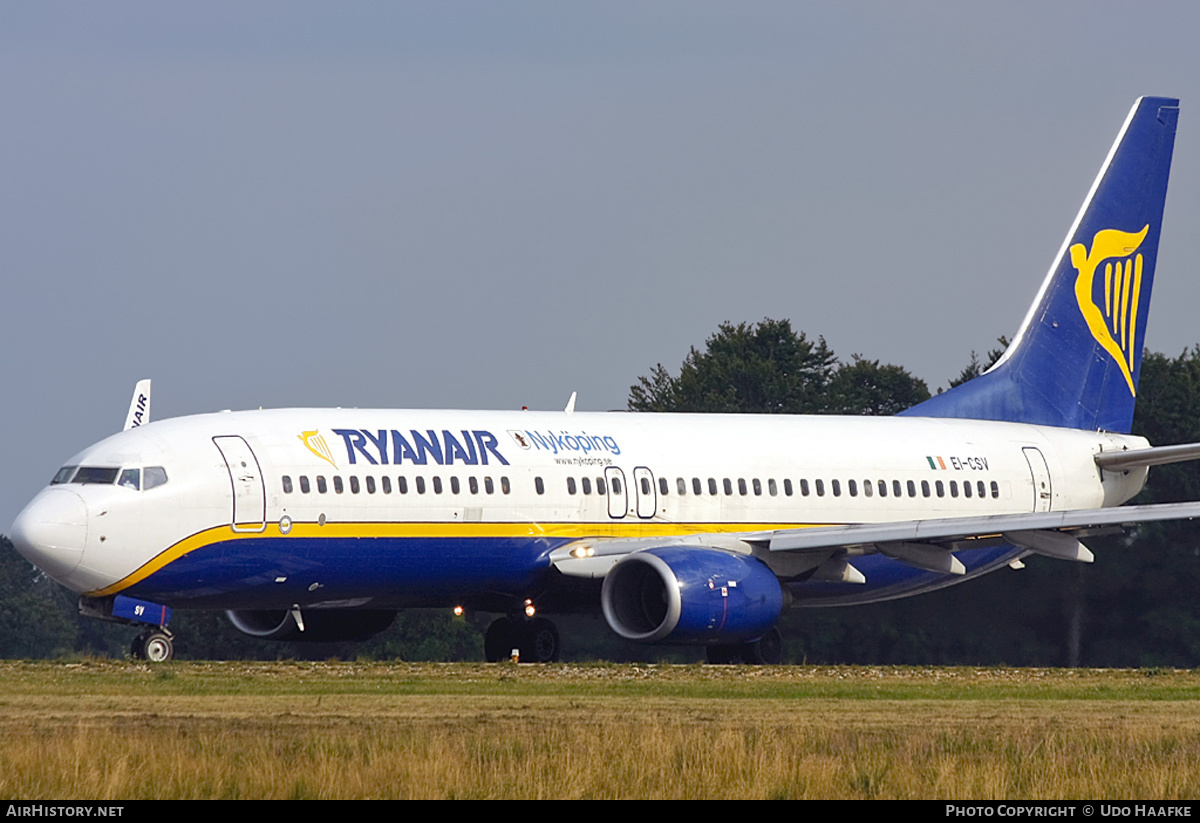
(156, 645)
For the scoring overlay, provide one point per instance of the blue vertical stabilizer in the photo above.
(1076, 359)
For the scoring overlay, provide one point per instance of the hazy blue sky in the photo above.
(490, 205)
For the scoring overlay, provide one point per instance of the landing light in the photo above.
(458, 611)
(583, 551)
(530, 611)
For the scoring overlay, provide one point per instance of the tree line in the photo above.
(1135, 606)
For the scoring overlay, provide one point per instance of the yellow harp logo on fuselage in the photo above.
(317, 445)
(1114, 323)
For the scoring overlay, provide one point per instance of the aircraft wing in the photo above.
(926, 544)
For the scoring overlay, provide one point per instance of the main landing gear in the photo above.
(767, 650)
(154, 645)
(535, 639)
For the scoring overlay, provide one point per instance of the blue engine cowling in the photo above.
(678, 594)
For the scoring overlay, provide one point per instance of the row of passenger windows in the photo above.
(585, 485)
(868, 488)
(402, 486)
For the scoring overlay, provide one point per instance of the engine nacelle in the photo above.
(320, 625)
(678, 594)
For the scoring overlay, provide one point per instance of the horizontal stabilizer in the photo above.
(1140, 458)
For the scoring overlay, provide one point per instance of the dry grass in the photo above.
(102, 730)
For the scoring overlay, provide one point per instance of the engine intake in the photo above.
(677, 594)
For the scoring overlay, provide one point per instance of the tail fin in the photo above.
(1076, 359)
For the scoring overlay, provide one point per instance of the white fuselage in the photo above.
(411, 507)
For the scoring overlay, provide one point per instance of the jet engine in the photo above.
(678, 594)
(320, 625)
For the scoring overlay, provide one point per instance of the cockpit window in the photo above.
(95, 474)
(63, 475)
(131, 479)
(153, 476)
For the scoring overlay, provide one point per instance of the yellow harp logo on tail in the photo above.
(317, 445)
(1114, 322)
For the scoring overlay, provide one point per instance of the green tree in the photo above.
(767, 368)
(866, 387)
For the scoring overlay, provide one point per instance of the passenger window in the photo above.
(420, 481)
(645, 486)
(402, 484)
(387, 485)
(338, 486)
(322, 487)
(455, 486)
(924, 488)
(370, 485)
(867, 488)
(504, 485)
(966, 488)
(287, 484)
(912, 489)
(995, 489)
(354, 487)
(473, 482)
(570, 485)
(712, 486)
(954, 488)
(541, 487)
(820, 485)
(772, 488)
(756, 484)
(586, 482)
(896, 488)
(616, 485)
(804, 487)
(836, 487)
(728, 486)
(663, 485)
(853, 487)
(787, 487)
(600, 487)
(883, 488)
(437, 484)
(489, 486)
(304, 487)
(982, 491)
(681, 485)
(697, 487)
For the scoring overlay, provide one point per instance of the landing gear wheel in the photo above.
(153, 646)
(498, 642)
(767, 650)
(540, 642)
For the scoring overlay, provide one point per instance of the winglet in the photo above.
(570, 409)
(139, 406)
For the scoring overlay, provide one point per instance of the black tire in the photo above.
(540, 642)
(498, 641)
(137, 649)
(766, 651)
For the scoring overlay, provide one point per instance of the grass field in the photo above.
(118, 730)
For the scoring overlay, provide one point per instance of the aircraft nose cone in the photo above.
(52, 531)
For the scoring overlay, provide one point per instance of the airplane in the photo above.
(701, 529)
